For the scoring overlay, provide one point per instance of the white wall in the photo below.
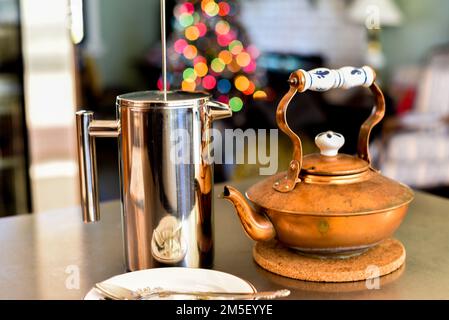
(305, 27)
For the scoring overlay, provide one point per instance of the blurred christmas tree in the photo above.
(210, 51)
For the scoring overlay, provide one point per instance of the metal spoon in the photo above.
(119, 293)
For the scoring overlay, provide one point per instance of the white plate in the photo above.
(182, 279)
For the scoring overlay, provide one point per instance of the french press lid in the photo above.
(177, 98)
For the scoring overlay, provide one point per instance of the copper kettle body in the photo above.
(326, 204)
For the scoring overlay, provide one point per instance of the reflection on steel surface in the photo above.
(168, 244)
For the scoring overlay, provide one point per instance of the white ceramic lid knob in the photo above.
(329, 142)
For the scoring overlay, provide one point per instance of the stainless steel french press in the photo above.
(166, 204)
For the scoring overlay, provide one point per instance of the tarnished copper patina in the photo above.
(326, 204)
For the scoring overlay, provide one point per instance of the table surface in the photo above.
(40, 254)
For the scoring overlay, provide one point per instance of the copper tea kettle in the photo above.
(327, 203)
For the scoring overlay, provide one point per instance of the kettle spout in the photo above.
(257, 226)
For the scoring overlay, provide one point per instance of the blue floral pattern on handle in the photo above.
(356, 71)
(321, 74)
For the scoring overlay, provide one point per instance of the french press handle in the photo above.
(87, 130)
(323, 79)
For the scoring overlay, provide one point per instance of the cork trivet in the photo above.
(330, 287)
(273, 256)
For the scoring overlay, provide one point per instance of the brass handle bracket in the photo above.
(289, 181)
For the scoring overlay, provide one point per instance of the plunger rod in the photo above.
(164, 49)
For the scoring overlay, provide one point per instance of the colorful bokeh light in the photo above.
(251, 67)
(185, 20)
(225, 56)
(188, 7)
(236, 104)
(241, 83)
(235, 47)
(202, 28)
(201, 69)
(224, 8)
(209, 82)
(243, 59)
(223, 40)
(223, 98)
(188, 85)
(189, 75)
(179, 45)
(222, 27)
(211, 8)
(217, 65)
(192, 33)
(199, 59)
(190, 52)
(259, 95)
(251, 89)
(224, 86)
(204, 3)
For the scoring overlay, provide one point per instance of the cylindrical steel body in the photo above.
(165, 174)
(167, 199)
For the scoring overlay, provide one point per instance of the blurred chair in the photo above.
(415, 144)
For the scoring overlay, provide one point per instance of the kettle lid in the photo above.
(329, 162)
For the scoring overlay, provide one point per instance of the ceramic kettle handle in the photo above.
(323, 79)
(87, 129)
